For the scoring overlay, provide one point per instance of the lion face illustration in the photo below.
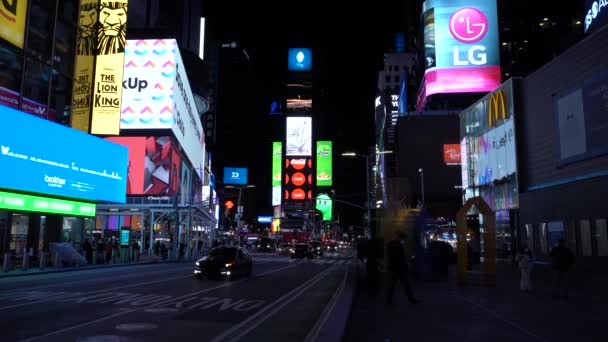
(113, 28)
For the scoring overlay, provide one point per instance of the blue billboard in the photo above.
(264, 219)
(299, 59)
(235, 175)
(37, 155)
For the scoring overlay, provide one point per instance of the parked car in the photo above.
(302, 250)
(224, 262)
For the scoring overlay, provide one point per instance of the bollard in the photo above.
(56, 260)
(26, 260)
(7, 262)
(42, 260)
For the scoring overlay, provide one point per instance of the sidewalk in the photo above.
(450, 313)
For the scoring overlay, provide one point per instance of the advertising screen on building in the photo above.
(57, 160)
(39, 204)
(324, 163)
(98, 72)
(12, 21)
(299, 105)
(264, 219)
(596, 14)
(157, 95)
(451, 154)
(324, 205)
(299, 59)
(235, 175)
(461, 46)
(276, 195)
(298, 179)
(298, 136)
(277, 158)
(489, 162)
(154, 165)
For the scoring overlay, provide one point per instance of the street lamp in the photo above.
(369, 200)
(421, 171)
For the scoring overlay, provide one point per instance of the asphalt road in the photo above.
(284, 300)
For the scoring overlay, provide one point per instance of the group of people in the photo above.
(104, 250)
(562, 260)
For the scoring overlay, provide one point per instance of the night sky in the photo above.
(348, 40)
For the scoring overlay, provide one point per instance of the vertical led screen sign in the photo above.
(97, 93)
(461, 46)
(324, 205)
(12, 21)
(488, 149)
(277, 157)
(299, 59)
(157, 95)
(299, 136)
(324, 163)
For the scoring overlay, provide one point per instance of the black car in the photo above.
(332, 248)
(302, 250)
(317, 247)
(266, 245)
(224, 262)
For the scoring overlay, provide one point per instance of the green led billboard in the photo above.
(13, 201)
(324, 163)
(324, 205)
(277, 156)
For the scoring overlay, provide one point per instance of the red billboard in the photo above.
(152, 163)
(451, 153)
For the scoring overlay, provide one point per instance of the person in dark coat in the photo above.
(562, 260)
(397, 268)
(88, 250)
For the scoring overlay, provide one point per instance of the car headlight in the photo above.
(228, 264)
(198, 263)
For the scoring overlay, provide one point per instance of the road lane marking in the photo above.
(313, 334)
(61, 331)
(244, 327)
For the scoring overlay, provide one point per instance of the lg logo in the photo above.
(469, 25)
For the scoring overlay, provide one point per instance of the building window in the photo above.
(10, 73)
(396, 78)
(388, 79)
(585, 239)
(601, 235)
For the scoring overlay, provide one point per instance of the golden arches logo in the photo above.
(496, 106)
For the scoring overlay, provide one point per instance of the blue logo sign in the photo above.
(299, 59)
(41, 156)
(235, 175)
(264, 219)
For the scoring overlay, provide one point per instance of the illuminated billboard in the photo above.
(451, 154)
(299, 59)
(277, 157)
(298, 179)
(57, 160)
(324, 163)
(12, 21)
(595, 14)
(235, 175)
(39, 204)
(154, 165)
(324, 205)
(460, 46)
(299, 136)
(299, 105)
(488, 151)
(157, 95)
(276, 195)
(98, 72)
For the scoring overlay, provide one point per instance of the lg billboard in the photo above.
(157, 95)
(71, 164)
(460, 46)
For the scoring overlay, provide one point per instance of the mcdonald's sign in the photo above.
(496, 107)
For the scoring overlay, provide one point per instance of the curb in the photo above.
(84, 268)
(334, 329)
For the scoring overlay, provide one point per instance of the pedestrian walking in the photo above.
(525, 264)
(88, 250)
(397, 268)
(562, 260)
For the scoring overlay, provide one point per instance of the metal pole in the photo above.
(422, 181)
(368, 204)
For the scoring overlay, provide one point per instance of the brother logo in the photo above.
(54, 181)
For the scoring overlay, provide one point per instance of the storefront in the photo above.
(489, 160)
(49, 190)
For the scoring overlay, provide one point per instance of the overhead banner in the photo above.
(12, 21)
(157, 95)
(460, 46)
(277, 157)
(39, 204)
(324, 163)
(98, 72)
